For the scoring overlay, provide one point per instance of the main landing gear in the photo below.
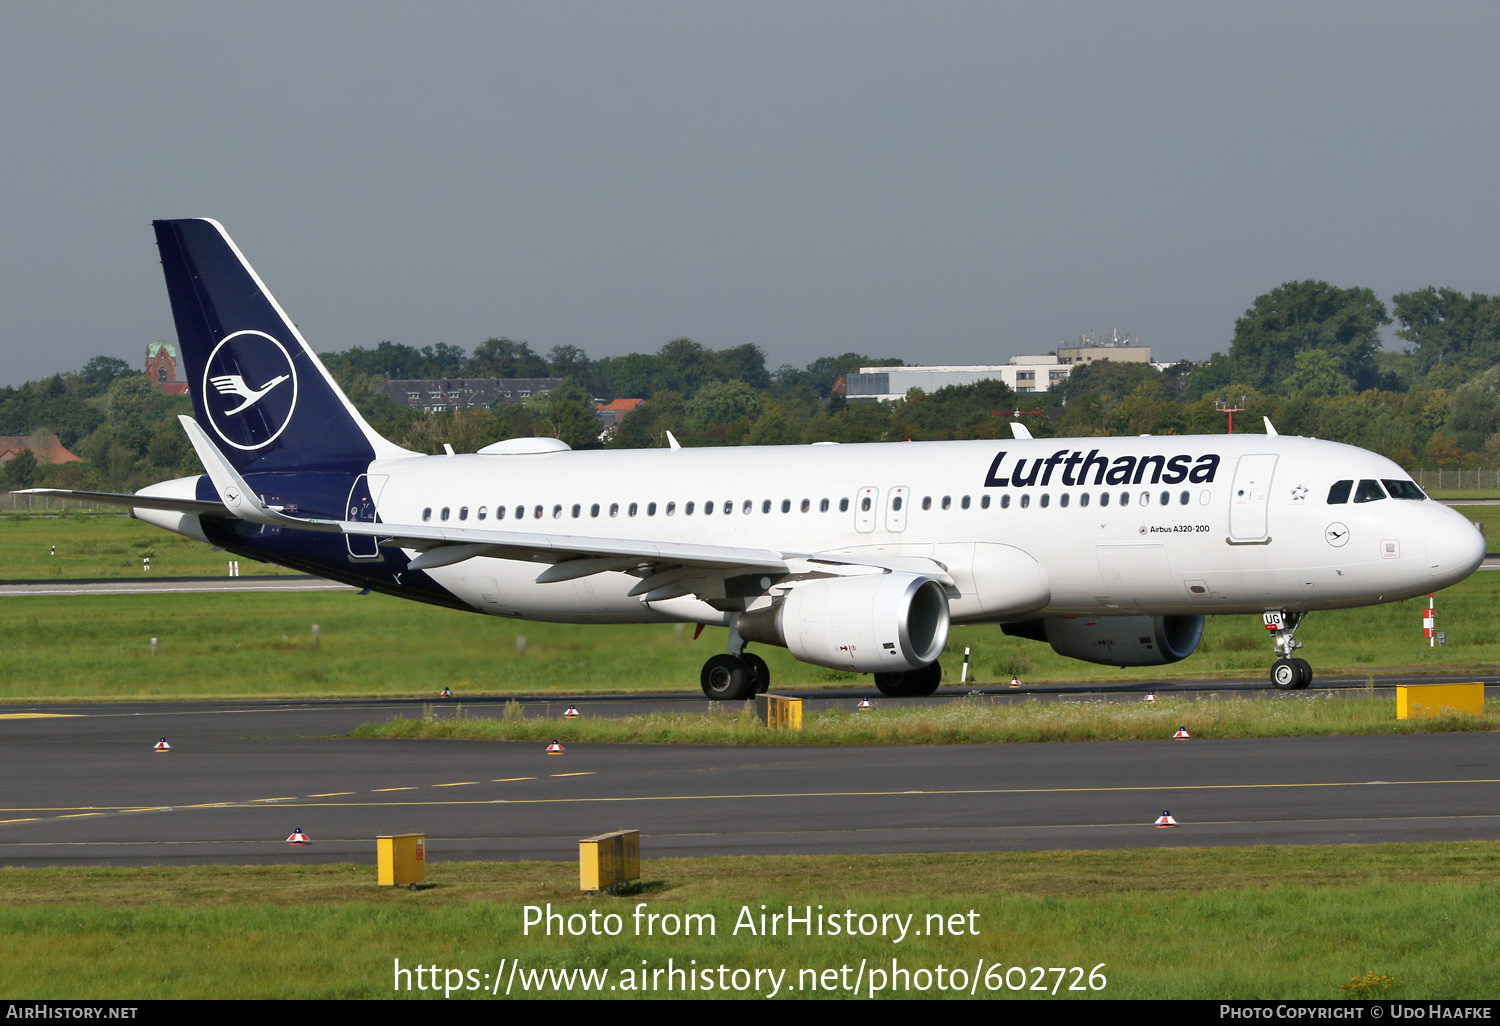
(1288, 673)
(912, 684)
(733, 678)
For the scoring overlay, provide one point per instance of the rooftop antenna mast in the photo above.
(1227, 406)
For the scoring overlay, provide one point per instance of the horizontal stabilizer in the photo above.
(138, 501)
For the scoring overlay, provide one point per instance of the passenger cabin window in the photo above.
(577, 510)
(427, 514)
(1369, 491)
(926, 502)
(984, 502)
(1182, 500)
(1402, 489)
(688, 509)
(895, 503)
(482, 513)
(614, 509)
(864, 504)
(1083, 500)
(947, 502)
(843, 505)
(708, 508)
(1046, 500)
(499, 512)
(765, 507)
(650, 509)
(1005, 501)
(633, 508)
(786, 505)
(807, 504)
(537, 512)
(463, 512)
(1339, 493)
(1063, 500)
(557, 511)
(1025, 500)
(594, 510)
(747, 507)
(823, 506)
(671, 509)
(964, 502)
(444, 514)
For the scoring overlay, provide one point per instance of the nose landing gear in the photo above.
(1288, 673)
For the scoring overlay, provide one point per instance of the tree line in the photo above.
(1307, 354)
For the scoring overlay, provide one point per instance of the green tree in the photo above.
(1445, 326)
(719, 403)
(1302, 315)
(505, 358)
(1317, 374)
(20, 471)
(1474, 411)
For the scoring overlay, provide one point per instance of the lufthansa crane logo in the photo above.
(249, 389)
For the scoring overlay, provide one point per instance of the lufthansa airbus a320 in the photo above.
(856, 557)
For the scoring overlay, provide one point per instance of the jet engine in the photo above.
(1115, 640)
(869, 623)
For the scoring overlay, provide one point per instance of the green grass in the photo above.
(974, 719)
(1264, 922)
(106, 545)
(260, 645)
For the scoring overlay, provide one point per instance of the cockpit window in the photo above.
(1339, 493)
(1369, 491)
(1402, 489)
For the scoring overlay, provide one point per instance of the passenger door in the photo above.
(1250, 499)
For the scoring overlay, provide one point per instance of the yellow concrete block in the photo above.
(779, 712)
(1415, 701)
(401, 859)
(609, 860)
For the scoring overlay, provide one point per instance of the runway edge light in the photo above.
(161, 746)
(1165, 819)
(298, 837)
(571, 713)
(1150, 696)
(1182, 733)
(555, 748)
(864, 703)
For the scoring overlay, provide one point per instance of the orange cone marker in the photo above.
(1015, 681)
(1150, 696)
(864, 703)
(1182, 733)
(555, 748)
(1166, 820)
(161, 746)
(298, 837)
(572, 713)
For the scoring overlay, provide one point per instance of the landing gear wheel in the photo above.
(760, 673)
(926, 680)
(725, 678)
(917, 683)
(1304, 673)
(1286, 675)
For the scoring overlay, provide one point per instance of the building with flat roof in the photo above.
(1022, 373)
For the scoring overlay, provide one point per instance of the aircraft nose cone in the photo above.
(1455, 548)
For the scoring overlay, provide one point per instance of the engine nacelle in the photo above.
(870, 623)
(1115, 640)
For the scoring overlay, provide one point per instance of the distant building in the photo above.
(611, 413)
(161, 368)
(45, 447)
(1023, 373)
(439, 394)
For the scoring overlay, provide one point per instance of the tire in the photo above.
(926, 680)
(891, 685)
(760, 673)
(1304, 673)
(1285, 675)
(725, 678)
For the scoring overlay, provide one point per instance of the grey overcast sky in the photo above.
(944, 182)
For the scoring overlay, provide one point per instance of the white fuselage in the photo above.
(1260, 535)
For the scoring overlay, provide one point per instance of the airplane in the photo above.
(853, 557)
